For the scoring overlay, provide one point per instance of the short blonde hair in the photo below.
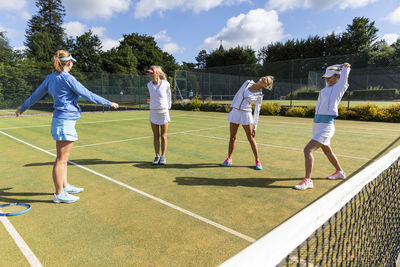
(160, 72)
(58, 65)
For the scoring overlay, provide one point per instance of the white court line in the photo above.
(261, 144)
(29, 255)
(79, 123)
(217, 225)
(139, 138)
(292, 123)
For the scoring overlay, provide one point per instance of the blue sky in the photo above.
(183, 28)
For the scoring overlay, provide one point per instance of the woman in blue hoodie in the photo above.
(326, 111)
(65, 90)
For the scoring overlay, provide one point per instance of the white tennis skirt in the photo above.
(159, 117)
(240, 117)
(323, 132)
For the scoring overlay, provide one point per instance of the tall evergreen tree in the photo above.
(6, 53)
(87, 51)
(201, 59)
(45, 34)
(359, 36)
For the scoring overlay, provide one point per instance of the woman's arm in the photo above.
(40, 92)
(257, 109)
(169, 96)
(81, 90)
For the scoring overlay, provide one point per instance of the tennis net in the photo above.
(355, 224)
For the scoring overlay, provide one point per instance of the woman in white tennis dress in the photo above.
(160, 103)
(240, 114)
(336, 77)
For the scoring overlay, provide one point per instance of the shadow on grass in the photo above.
(149, 165)
(8, 197)
(248, 182)
(81, 162)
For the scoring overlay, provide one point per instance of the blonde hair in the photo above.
(270, 80)
(58, 65)
(160, 72)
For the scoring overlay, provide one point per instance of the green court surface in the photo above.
(190, 212)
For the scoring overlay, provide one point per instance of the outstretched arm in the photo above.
(40, 92)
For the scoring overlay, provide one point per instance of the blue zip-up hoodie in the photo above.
(65, 90)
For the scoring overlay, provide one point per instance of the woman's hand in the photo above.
(253, 133)
(114, 105)
(347, 65)
(18, 112)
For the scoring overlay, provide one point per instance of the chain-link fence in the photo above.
(296, 81)
(17, 84)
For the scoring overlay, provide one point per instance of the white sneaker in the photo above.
(163, 160)
(306, 183)
(64, 197)
(337, 175)
(73, 189)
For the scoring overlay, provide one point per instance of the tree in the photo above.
(359, 36)
(6, 53)
(233, 56)
(44, 34)
(188, 65)
(147, 52)
(201, 59)
(119, 60)
(87, 51)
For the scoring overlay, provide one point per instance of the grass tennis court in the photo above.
(191, 212)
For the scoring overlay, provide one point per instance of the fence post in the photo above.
(102, 86)
(291, 84)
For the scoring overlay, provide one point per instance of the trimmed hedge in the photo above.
(361, 112)
(386, 94)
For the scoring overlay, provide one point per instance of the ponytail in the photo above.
(160, 72)
(58, 65)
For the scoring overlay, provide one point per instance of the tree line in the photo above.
(136, 52)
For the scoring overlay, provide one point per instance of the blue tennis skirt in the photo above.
(63, 130)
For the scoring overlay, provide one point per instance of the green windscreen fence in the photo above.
(17, 84)
(295, 80)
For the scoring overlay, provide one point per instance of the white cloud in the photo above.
(166, 43)
(109, 43)
(16, 6)
(283, 5)
(162, 36)
(90, 9)
(255, 29)
(172, 48)
(75, 28)
(390, 38)
(394, 17)
(13, 5)
(99, 31)
(145, 8)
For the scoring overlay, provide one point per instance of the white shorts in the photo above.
(159, 117)
(240, 117)
(323, 132)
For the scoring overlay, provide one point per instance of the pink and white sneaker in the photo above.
(227, 162)
(306, 183)
(338, 175)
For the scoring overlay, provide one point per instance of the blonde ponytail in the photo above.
(160, 72)
(58, 65)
